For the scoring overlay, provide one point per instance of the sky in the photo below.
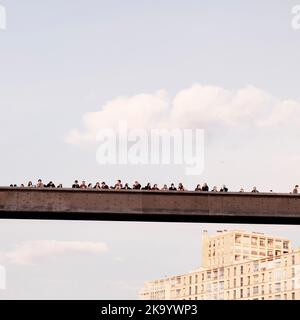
(69, 69)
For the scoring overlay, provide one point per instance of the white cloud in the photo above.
(196, 107)
(32, 252)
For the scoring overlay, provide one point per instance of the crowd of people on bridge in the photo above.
(135, 186)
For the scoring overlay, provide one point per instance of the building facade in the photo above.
(236, 265)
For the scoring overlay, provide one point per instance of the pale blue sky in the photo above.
(62, 59)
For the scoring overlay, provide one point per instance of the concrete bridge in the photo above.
(135, 205)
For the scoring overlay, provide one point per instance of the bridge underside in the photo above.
(156, 206)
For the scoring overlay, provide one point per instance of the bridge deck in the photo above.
(131, 205)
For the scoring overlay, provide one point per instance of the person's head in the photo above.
(40, 181)
(296, 186)
(215, 188)
(198, 186)
(204, 184)
(254, 188)
(76, 181)
(242, 190)
(165, 186)
(118, 181)
(90, 185)
(30, 184)
(83, 182)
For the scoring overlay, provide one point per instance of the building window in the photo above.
(277, 287)
(270, 288)
(221, 272)
(262, 242)
(234, 283)
(254, 241)
(277, 297)
(196, 289)
(270, 276)
(215, 274)
(221, 285)
(242, 281)
(293, 295)
(234, 271)
(246, 240)
(234, 294)
(238, 238)
(190, 290)
(190, 280)
(241, 293)
(270, 242)
(248, 280)
(255, 290)
(202, 276)
(285, 296)
(262, 289)
(285, 244)
(248, 292)
(196, 278)
(208, 274)
(242, 269)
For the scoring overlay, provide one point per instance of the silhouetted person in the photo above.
(254, 190)
(147, 187)
(296, 189)
(205, 187)
(50, 185)
(83, 185)
(76, 185)
(40, 184)
(104, 185)
(181, 187)
(172, 187)
(198, 188)
(224, 188)
(155, 187)
(136, 186)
